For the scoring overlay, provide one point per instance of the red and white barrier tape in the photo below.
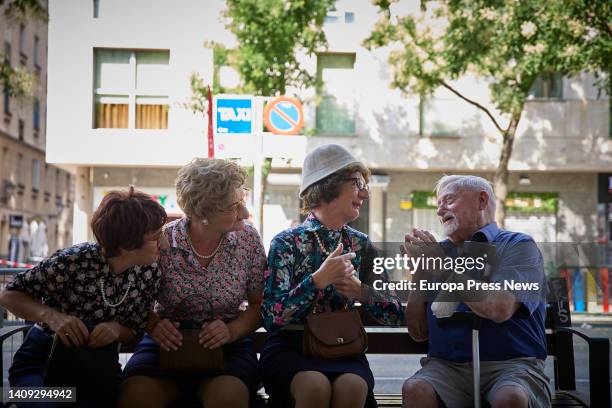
(11, 264)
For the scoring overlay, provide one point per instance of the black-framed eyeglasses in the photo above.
(359, 183)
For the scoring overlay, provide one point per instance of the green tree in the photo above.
(16, 80)
(270, 34)
(510, 43)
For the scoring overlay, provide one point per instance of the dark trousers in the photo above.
(28, 368)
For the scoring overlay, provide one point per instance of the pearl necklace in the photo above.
(325, 251)
(204, 256)
(103, 292)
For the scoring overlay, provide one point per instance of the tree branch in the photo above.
(476, 104)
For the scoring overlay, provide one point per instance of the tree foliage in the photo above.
(17, 81)
(508, 43)
(270, 34)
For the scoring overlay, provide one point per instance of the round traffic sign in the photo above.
(284, 116)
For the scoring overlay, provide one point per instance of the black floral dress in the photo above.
(71, 281)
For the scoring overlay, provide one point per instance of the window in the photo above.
(21, 130)
(5, 92)
(131, 89)
(36, 51)
(548, 86)
(20, 173)
(5, 165)
(36, 115)
(35, 174)
(336, 109)
(22, 53)
(7, 100)
(96, 8)
(335, 16)
(7, 52)
(332, 17)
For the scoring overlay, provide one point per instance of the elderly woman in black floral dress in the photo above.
(109, 285)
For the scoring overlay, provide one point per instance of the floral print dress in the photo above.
(290, 294)
(71, 281)
(188, 291)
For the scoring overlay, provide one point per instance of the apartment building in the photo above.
(35, 197)
(117, 97)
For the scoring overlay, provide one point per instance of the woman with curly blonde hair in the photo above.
(214, 258)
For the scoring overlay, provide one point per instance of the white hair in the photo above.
(473, 183)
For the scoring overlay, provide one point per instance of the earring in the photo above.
(205, 221)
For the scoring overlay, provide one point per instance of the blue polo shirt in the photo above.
(523, 335)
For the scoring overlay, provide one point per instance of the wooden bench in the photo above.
(560, 347)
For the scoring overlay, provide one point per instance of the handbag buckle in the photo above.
(340, 340)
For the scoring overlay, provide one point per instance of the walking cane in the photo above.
(476, 322)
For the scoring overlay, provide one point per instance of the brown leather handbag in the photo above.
(191, 357)
(334, 335)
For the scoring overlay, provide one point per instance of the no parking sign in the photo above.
(284, 116)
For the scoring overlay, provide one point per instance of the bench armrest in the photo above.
(599, 366)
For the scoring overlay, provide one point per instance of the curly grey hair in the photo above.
(473, 183)
(204, 186)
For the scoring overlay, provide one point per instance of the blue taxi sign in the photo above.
(233, 114)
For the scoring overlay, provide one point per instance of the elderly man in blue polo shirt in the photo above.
(512, 335)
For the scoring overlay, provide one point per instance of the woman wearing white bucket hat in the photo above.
(313, 268)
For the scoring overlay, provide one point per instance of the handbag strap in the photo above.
(183, 304)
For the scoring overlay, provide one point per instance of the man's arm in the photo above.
(498, 306)
(520, 261)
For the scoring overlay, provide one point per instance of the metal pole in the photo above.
(476, 363)
(258, 162)
(257, 187)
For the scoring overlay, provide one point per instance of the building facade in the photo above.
(35, 197)
(117, 95)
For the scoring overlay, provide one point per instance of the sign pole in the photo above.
(211, 138)
(258, 165)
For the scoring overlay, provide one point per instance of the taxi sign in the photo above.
(233, 114)
(284, 116)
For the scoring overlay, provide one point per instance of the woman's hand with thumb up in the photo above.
(335, 268)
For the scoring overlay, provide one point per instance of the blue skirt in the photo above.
(240, 362)
(282, 358)
(28, 370)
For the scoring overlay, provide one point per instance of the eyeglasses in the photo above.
(359, 183)
(235, 207)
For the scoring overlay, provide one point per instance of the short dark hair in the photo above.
(123, 218)
(328, 189)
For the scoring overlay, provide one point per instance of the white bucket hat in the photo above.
(324, 161)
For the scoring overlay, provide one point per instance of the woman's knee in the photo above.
(143, 391)
(311, 386)
(224, 391)
(349, 390)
